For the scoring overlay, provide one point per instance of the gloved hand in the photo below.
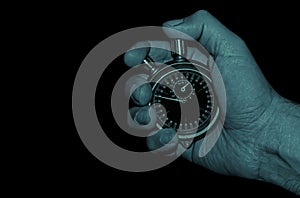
(261, 134)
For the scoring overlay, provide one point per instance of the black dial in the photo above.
(176, 88)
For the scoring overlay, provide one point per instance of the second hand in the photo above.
(174, 99)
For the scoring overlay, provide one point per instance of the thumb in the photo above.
(211, 33)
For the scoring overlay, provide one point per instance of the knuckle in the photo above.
(293, 185)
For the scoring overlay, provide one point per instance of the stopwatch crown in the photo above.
(178, 49)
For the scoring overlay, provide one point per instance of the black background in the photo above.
(269, 30)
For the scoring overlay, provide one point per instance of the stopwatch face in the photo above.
(176, 89)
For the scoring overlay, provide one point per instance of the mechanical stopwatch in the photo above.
(182, 95)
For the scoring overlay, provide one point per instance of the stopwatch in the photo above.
(182, 95)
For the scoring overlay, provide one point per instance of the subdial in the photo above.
(183, 89)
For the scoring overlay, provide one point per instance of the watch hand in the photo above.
(174, 99)
(183, 88)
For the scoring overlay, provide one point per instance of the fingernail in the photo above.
(142, 116)
(135, 56)
(173, 23)
(166, 136)
(142, 94)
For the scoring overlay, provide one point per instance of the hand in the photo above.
(261, 133)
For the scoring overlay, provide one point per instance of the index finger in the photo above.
(141, 50)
